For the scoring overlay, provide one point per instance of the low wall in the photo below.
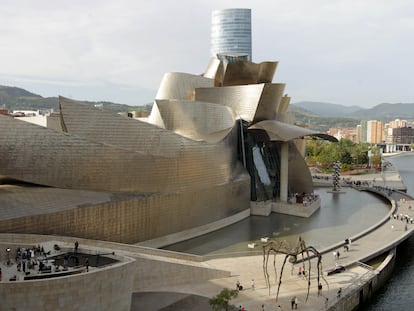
(296, 209)
(361, 291)
(152, 274)
(264, 208)
(194, 232)
(107, 288)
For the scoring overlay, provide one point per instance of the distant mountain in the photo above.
(11, 91)
(382, 112)
(303, 117)
(386, 112)
(327, 109)
(14, 98)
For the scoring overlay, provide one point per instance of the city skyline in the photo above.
(342, 52)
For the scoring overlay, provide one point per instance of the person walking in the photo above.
(76, 247)
(252, 284)
(292, 302)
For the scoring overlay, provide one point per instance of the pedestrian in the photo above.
(339, 292)
(238, 285)
(337, 254)
(263, 308)
(87, 264)
(252, 284)
(296, 302)
(292, 302)
(279, 308)
(76, 247)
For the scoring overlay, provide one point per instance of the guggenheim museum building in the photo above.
(214, 146)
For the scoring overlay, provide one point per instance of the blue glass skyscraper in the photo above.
(231, 32)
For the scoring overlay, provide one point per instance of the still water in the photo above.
(340, 216)
(397, 294)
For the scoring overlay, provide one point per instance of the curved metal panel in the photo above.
(243, 100)
(42, 156)
(279, 131)
(245, 72)
(300, 178)
(196, 120)
(212, 68)
(178, 85)
(106, 127)
(269, 102)
(284, 104)
(252, 103)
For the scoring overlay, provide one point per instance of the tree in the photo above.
(221, 300)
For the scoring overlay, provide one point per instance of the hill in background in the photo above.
(315, 115)
(14, 98)
(327, 109)
(382, 112)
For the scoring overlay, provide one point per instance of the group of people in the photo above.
(406, 218)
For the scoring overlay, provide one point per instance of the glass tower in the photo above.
(231, 32)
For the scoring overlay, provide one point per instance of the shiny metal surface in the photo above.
(188, 119)
(242, 73)
(183, 167)
(279, 131)
(178, 85)
(249, 102)
(42, 156)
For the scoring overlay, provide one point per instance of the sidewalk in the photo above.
(367, 245)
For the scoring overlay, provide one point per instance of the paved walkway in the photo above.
(368, 244)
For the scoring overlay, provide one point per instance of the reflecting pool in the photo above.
(340, 216)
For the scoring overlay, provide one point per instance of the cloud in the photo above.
(323, 46)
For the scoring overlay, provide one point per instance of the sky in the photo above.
(346, 52)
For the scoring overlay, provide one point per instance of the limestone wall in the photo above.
(103, 289)
(163, 274)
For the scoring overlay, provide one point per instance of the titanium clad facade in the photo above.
(178, 85)
(69, 161)
(252, 103)
(231, 32)
(190, 165)
(193, 124)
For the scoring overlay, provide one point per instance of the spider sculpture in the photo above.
(282, 247)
